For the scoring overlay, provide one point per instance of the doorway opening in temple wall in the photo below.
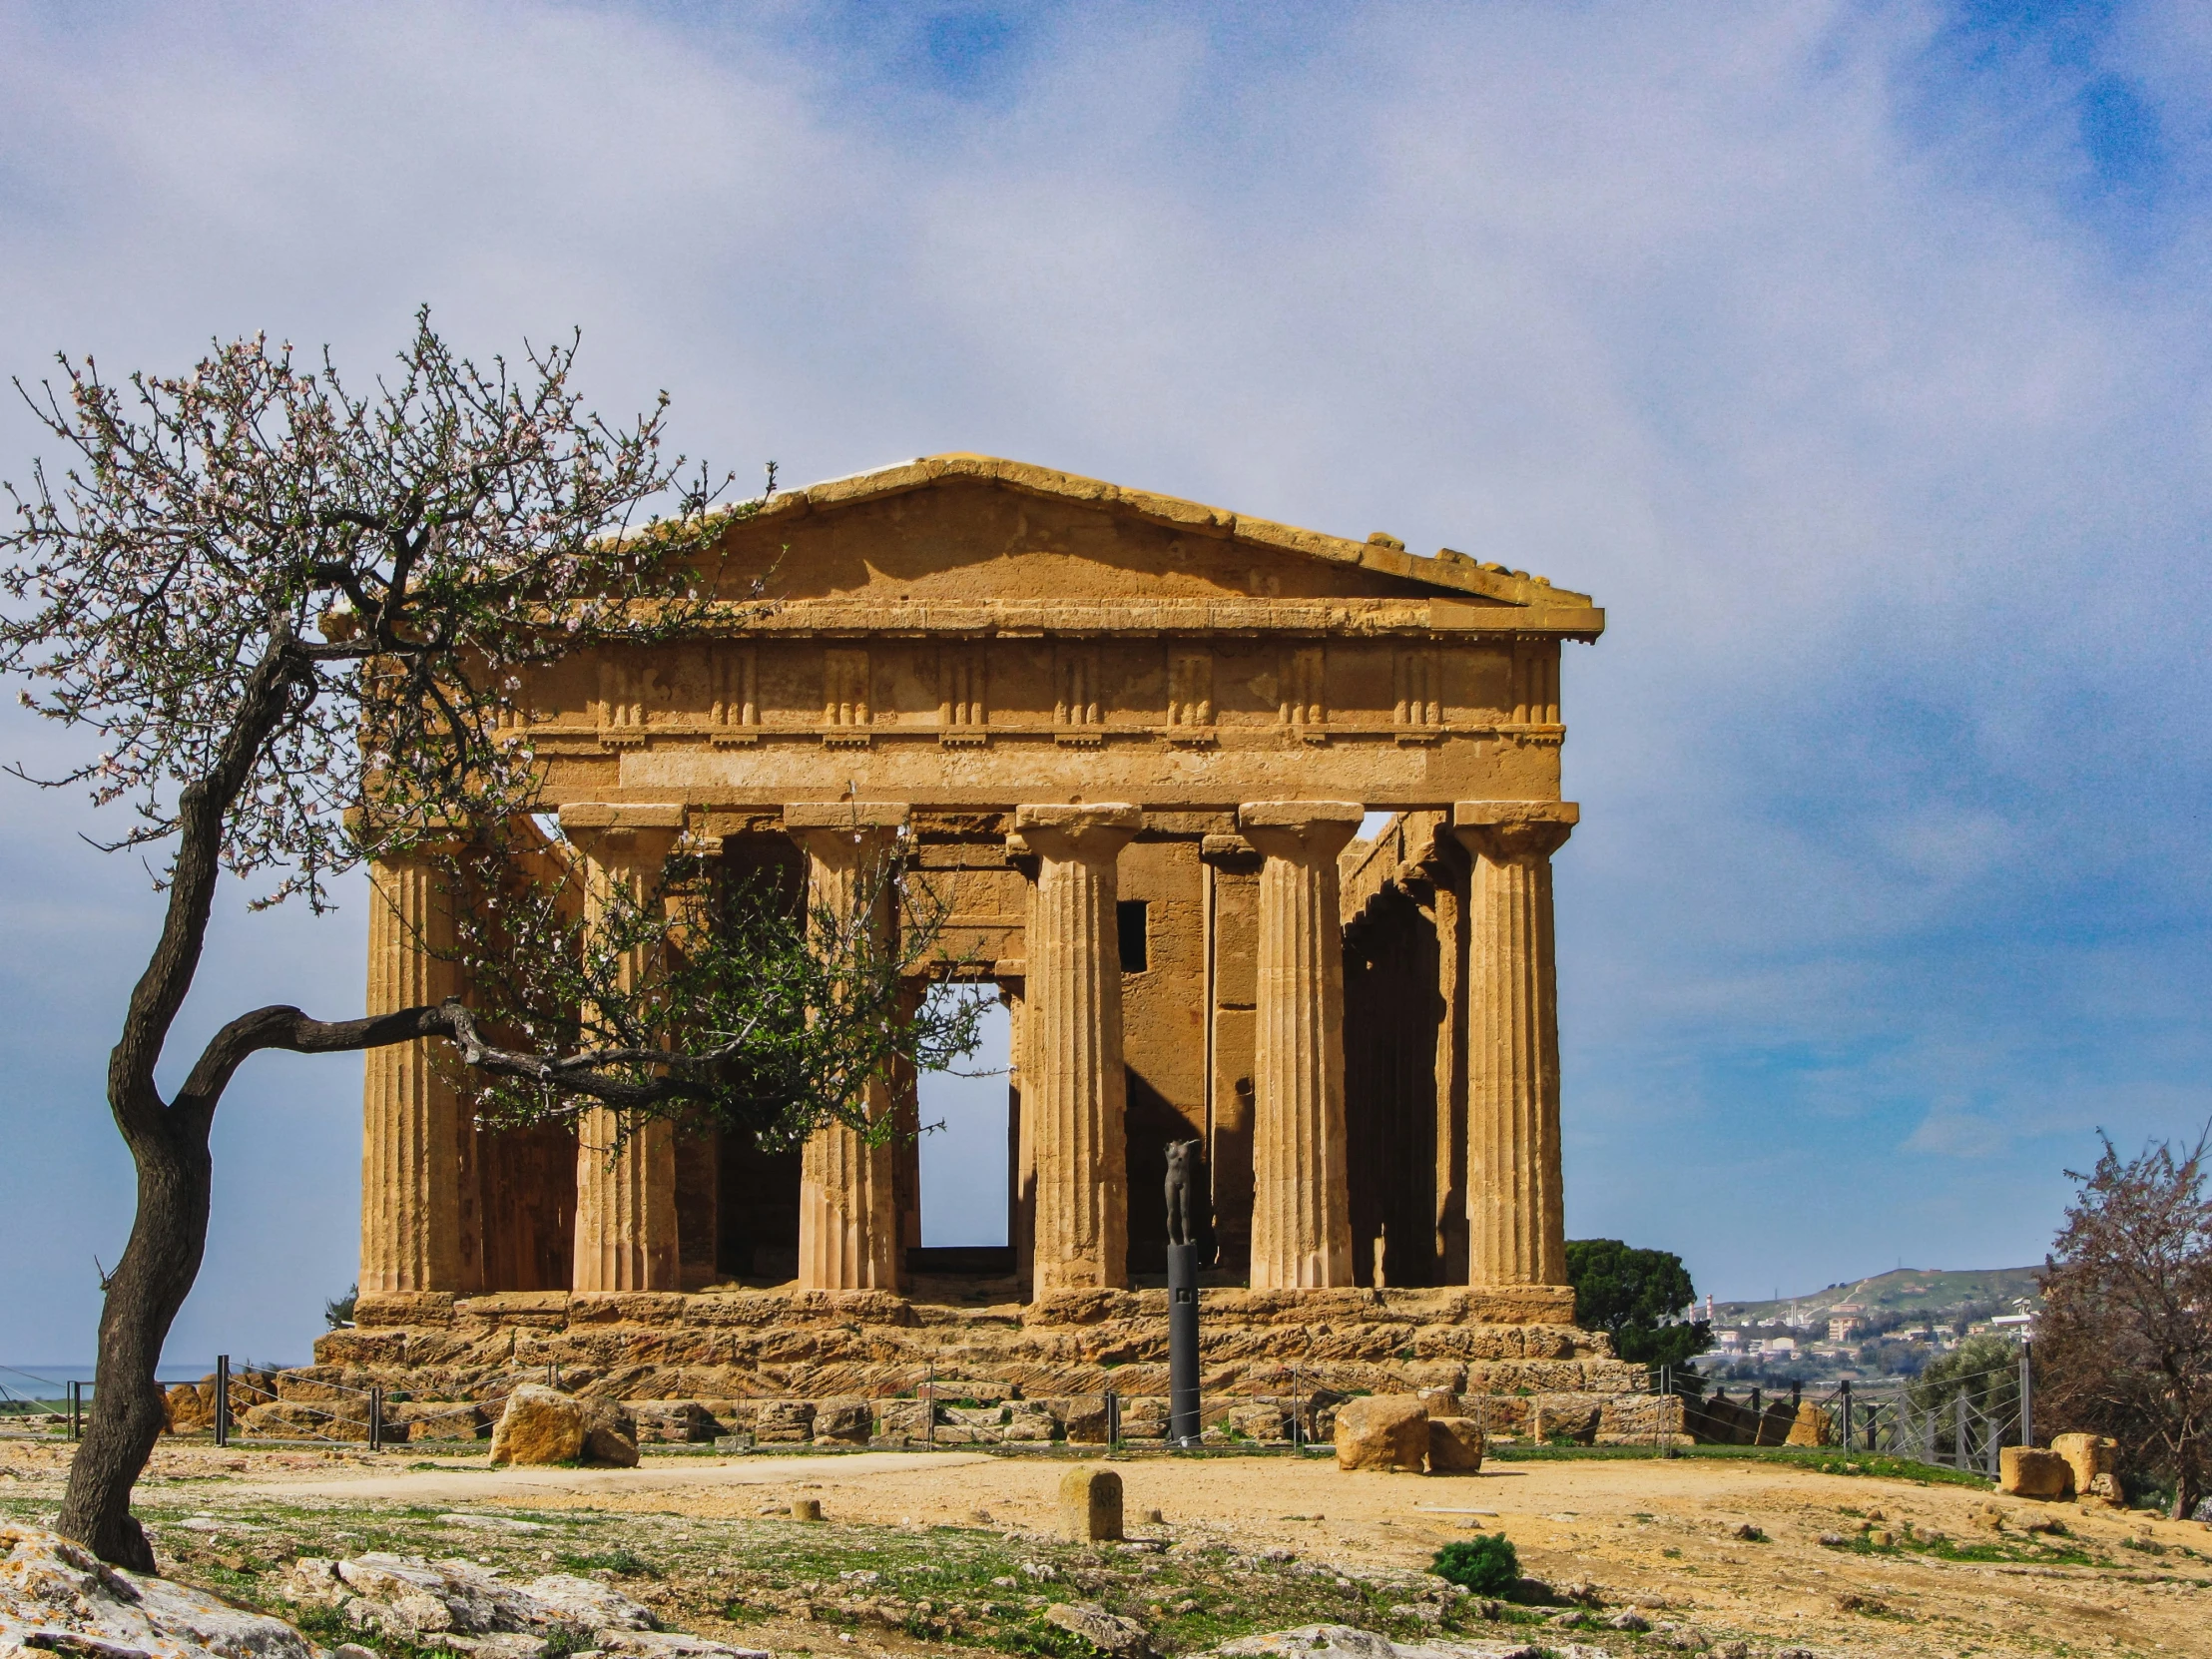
(966, 1124)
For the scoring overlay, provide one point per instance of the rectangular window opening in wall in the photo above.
(1129, 919)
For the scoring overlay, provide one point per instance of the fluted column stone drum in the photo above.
(1516, 1214)
(847, 1215)
(1072, 1078)
(625, 1189)
(410, 1156)
(1300, 1214)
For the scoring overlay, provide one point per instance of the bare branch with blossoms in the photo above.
(294, 622)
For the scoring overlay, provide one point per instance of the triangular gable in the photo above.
(1448, 572)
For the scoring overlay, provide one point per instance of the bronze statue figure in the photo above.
(1183, 1193)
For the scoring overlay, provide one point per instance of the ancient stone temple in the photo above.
(1130, 742)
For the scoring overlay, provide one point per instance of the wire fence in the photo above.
(1962, 1422)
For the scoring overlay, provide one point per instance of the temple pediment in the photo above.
(923, 545)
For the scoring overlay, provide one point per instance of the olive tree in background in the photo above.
(2123, 1346)
(293, 621)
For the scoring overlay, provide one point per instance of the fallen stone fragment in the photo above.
(540, 1425)
(1383, 1432)
(2031, 1471)
(1454, 1445)
(57, 1598)
(1108, 1632)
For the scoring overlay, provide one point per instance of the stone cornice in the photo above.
(1147, 618)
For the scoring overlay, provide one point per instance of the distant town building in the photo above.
(1842, 1329)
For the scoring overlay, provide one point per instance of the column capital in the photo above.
(1083, 830)
(649, 829)
(1514, 831)
(1300, 830)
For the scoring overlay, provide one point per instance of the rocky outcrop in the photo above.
(1343, 1641)
(55, 1598)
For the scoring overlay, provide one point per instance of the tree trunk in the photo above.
(148, 1286)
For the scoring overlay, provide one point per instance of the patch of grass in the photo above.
(624, 1564)
(2030, 1551)
(1485, 1564)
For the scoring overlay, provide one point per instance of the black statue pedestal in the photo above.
(1184, 1428)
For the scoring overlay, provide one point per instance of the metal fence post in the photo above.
(1845, 1389)
(75, 1410)
(222, 1399)
(2028, 1394)
(1113, 1419)
(1958, 1454)
(375, 1416)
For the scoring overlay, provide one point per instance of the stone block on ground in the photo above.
(1454, 1445)
(2031, 1471)
(673, 1422)
(2088, 1455)
(610, 1435)
(1030, 1422)
(1110, 1633)
(1565, 1419)
(784, 1422)
(1085, 1417)
(1383, 1432)
(902, 1418)
(1090, 1504)
(539, 1425)
(1814, 1426)
(844, 1422)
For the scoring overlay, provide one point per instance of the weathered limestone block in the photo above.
(1564, 1418)
(784, 1422)
(610, 1433)
(2091, 1458)
(288, 1420)
(1104, 1632)
(1269, 1425)
(1085, 1418)
(847, 1422)
(436, 1419)
(1383, 1432)
(408, 1308)
(2031, 1471)
(539, 1425)
(1090, 1504)
(672, 1421)
(1814, 1426)
(1455, 1446)
(1030, 1421)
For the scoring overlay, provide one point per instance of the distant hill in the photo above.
(1905, 1290)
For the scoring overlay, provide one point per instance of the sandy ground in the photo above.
(1659, 1535)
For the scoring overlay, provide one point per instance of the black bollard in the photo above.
(1184, 1428)
(1186, 1197)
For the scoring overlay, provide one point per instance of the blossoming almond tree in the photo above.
(295, 621)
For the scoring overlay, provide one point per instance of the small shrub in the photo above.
(1486, 1565)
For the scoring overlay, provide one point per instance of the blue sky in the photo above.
(1853, 356)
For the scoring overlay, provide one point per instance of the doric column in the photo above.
(1301, 1211)
(1072, 1079)
(1516, 1214)
(625, 1201)
(410, 1118)
(847, 1211)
